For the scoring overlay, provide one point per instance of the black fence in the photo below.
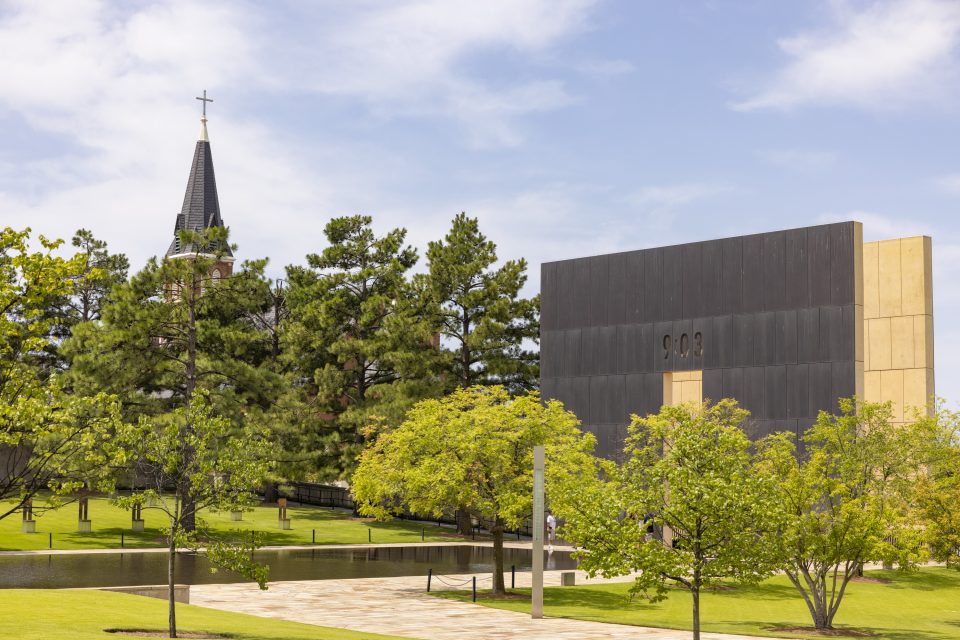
(326, 495)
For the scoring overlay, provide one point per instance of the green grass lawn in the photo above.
(61, 614)
(108, 522)
(922, 605)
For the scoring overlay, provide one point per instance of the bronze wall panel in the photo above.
(711, 270)
(607, 354)
(617, 290)
(652, 309)
(548, 296)
(774, 313)
(797, 281)
(732, 290)
(566, 278)
(599, 295)
(774, 271)
(752, 275)
(672, 283)
(581, 294)
(635, 306)
(818, 245)
(692, 276)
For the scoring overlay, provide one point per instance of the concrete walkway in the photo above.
(401, 607)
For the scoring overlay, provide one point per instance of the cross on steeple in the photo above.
(204, 100)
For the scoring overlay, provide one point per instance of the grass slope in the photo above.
(332, 527)
(58, 614)
(922, 605)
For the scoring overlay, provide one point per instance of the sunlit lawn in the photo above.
(922, 605)
(109, 522)
(59, 614)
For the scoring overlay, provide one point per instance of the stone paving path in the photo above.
(400, 606)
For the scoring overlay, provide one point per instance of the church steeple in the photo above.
(201, 206)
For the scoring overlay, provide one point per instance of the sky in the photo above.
(568, 127)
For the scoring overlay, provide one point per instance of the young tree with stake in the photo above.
(689, 473)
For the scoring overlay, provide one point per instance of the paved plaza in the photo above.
(401, 607)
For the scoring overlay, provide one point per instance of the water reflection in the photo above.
(128, 569)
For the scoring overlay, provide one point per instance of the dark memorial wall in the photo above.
(770, 320)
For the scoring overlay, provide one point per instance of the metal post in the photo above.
(369, 535)
(121, 539)
(423, 534)
(536, 607)
(513, 576)
(474, 588)
(314, 536)
(51, 540)
(429, 578)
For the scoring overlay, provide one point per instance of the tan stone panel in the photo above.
(871, 280)
(913, 273)
(915, 393)
(859, 334)
(871, 386)
(859, 380)
(691, 391)
(866, 342)
(931, 385)
(858, 263)
(890, 279)
(922, 341)
(668, 389)
(879, 344)
(928, 273)
(902, 343)
(891, 390)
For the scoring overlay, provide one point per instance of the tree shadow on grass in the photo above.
(922, 580)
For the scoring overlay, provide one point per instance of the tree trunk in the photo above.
(271, 491)
(497, 530)
(171, 591)
(464, 521)
(695, 592)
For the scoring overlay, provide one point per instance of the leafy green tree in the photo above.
(689, 474)
(49, 438)
(485, 325)
(938, 486)
(191, 451)
(175, 329)
(848, 500)
(474, 448)
(350, 334)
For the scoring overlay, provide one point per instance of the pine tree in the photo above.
(357, 343)
(174, 329)
(486, 326)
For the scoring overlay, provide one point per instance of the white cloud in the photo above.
(799, 159)
(415, 58)
(880, 56)
(108, 88)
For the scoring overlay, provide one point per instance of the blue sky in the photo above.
(569, 127)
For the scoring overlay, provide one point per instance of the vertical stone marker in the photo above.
(536, 605)
(83, 523)
(284, 520)
(136, 517)
(29, 525)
